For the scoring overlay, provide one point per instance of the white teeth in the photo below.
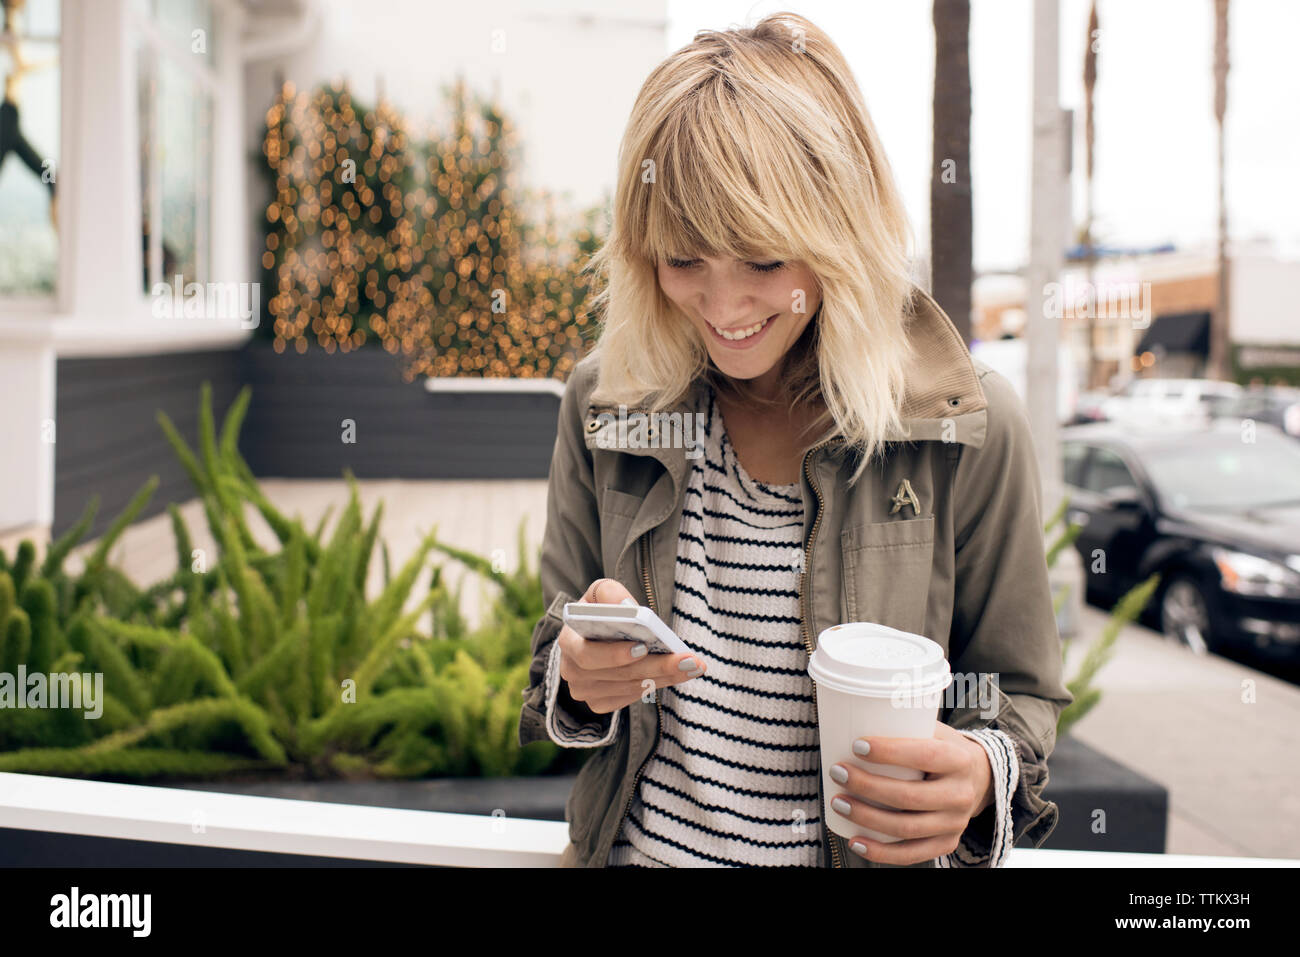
(741, 333)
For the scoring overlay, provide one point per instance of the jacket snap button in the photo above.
(954, 401)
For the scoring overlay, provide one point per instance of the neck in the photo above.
(762, 396)
(768, 386)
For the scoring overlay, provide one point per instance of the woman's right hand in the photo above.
(608, 675)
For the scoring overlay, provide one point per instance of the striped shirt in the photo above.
(733, 780)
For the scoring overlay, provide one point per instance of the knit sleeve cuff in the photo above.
(562, 725)
(988, 839)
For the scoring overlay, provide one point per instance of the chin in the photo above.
(746, 368)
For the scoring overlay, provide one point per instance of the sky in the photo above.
(1156, 137)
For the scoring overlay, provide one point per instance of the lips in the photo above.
(743, 333)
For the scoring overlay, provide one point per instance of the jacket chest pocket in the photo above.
(887, 567)
(617, 512)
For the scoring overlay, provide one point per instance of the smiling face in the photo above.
(748, 312)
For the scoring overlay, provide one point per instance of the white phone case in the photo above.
(605, 622)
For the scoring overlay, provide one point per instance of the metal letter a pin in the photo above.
(905, 496)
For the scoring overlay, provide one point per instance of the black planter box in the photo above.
(536, 798)
(1081, 781)
(110, 442)
(294, 427)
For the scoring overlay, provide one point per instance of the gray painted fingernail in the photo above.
(639, 650)
(628, 601)
(688, 664)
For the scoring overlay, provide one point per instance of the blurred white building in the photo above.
(151, 116)
(1152, 314)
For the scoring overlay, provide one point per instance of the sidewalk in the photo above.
(1232, 767)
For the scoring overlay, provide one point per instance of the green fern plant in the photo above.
(1126, 611)
(268, 661)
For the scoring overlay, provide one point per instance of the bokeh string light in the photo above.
(429, 248)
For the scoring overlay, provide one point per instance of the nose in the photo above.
(724, 303)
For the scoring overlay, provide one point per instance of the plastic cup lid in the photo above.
(867, 658)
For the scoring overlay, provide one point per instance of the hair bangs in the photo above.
(705, 199)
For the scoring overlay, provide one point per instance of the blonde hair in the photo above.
(756, 143)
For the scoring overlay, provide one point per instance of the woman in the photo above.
(778, 432)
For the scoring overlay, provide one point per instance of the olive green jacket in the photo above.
(968, 571)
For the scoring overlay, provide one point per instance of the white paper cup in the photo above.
(873, 680)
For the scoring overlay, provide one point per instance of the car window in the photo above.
(1245, 406)
(1073, 456)
(1219, 404)
(1106, 471)
(1222, 472)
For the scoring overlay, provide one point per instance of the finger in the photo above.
(935, 755)
(662, 672)
(933, 794)
(902, 852)
(908, 825)
(607, 591)
(616, 661)
(599, 655)
(608, 705)
(584, 688)
(604, 697)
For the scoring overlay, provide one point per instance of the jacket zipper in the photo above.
(831, 836)
(807, 639)
(659, 715)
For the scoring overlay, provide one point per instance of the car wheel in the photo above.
(1184, 616)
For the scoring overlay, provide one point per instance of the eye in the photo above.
(680, 263)
(766, 267)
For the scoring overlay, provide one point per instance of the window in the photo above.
(176, 82)
(29, 149)
(1107, 471)
(1216, 404)
(1073, 457)
(1222, 472)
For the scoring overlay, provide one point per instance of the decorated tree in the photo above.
(431, 249)
(341, 175)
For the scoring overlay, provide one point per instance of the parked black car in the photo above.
(1215, 510)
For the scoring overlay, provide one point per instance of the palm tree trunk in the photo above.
(1089, 138)
(1219, 364)
(950, 181)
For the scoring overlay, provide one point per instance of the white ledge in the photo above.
(210, 819)
(487, 384)
(84, 337)
(1046, 857)
(137, 812)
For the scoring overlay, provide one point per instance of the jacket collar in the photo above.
(942, 400)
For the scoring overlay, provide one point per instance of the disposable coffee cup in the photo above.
(873, 680)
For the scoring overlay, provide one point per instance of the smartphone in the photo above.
(603, 622)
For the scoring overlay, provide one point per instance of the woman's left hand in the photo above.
(933, 812)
